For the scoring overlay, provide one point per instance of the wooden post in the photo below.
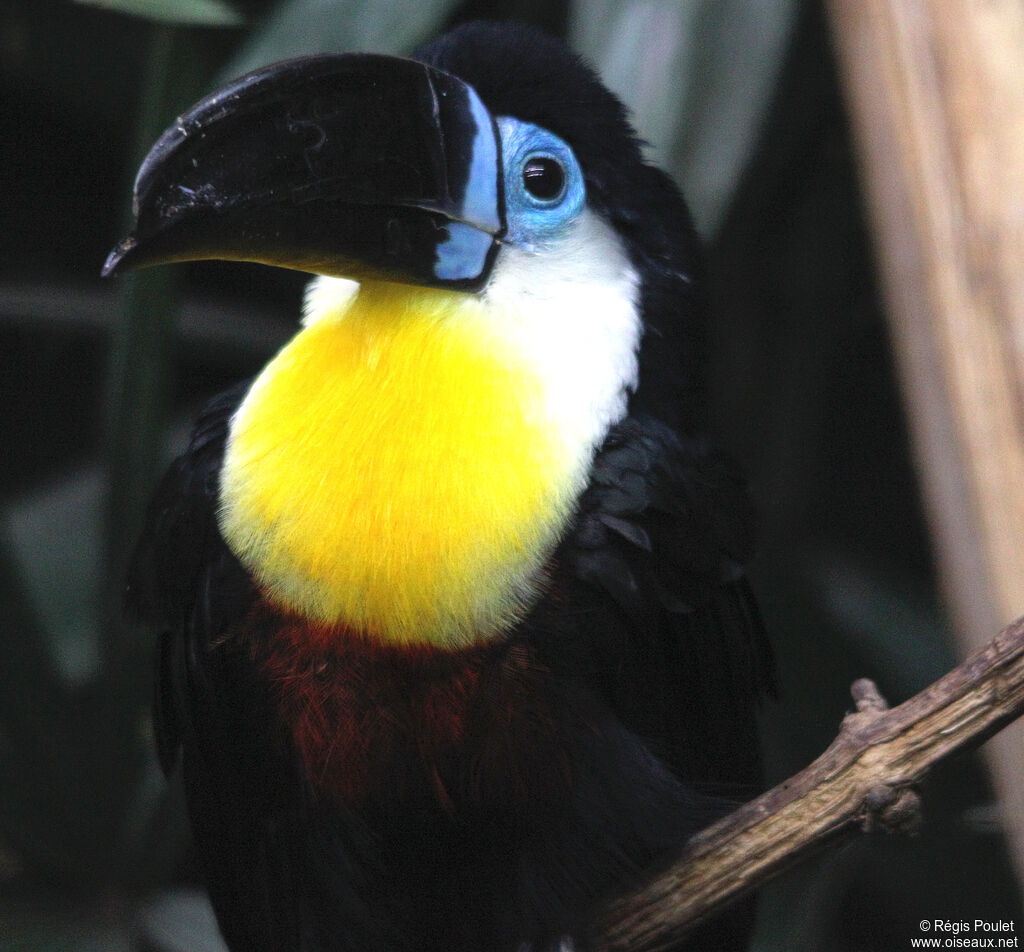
(936, 94)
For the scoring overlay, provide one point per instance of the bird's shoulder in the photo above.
(665, 521)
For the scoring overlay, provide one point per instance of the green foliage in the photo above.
(301, 27)
(181, 12)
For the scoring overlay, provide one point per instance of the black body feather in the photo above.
(653, 660)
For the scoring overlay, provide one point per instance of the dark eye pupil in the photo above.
(543, 177)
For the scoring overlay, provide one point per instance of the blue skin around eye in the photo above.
(533, 223)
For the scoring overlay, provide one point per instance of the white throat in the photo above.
(571, 308)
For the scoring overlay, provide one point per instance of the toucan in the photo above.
(457, 643)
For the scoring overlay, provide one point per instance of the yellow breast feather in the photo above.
(395, 469)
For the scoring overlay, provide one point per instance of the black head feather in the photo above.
(519, 71)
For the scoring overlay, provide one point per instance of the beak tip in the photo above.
(115, 260)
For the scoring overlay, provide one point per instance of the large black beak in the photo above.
(349, 165)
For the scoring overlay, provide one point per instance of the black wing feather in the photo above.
(664, 530)
(210, 713)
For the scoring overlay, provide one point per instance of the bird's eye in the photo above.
(543, 183)
(544, 177)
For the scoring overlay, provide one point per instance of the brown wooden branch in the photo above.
(864, 779)
(936, 106)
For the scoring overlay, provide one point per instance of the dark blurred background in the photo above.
(98, 380)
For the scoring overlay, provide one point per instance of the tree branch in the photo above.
(864, 778)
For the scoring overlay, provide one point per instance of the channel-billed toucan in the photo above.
(457, 640)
